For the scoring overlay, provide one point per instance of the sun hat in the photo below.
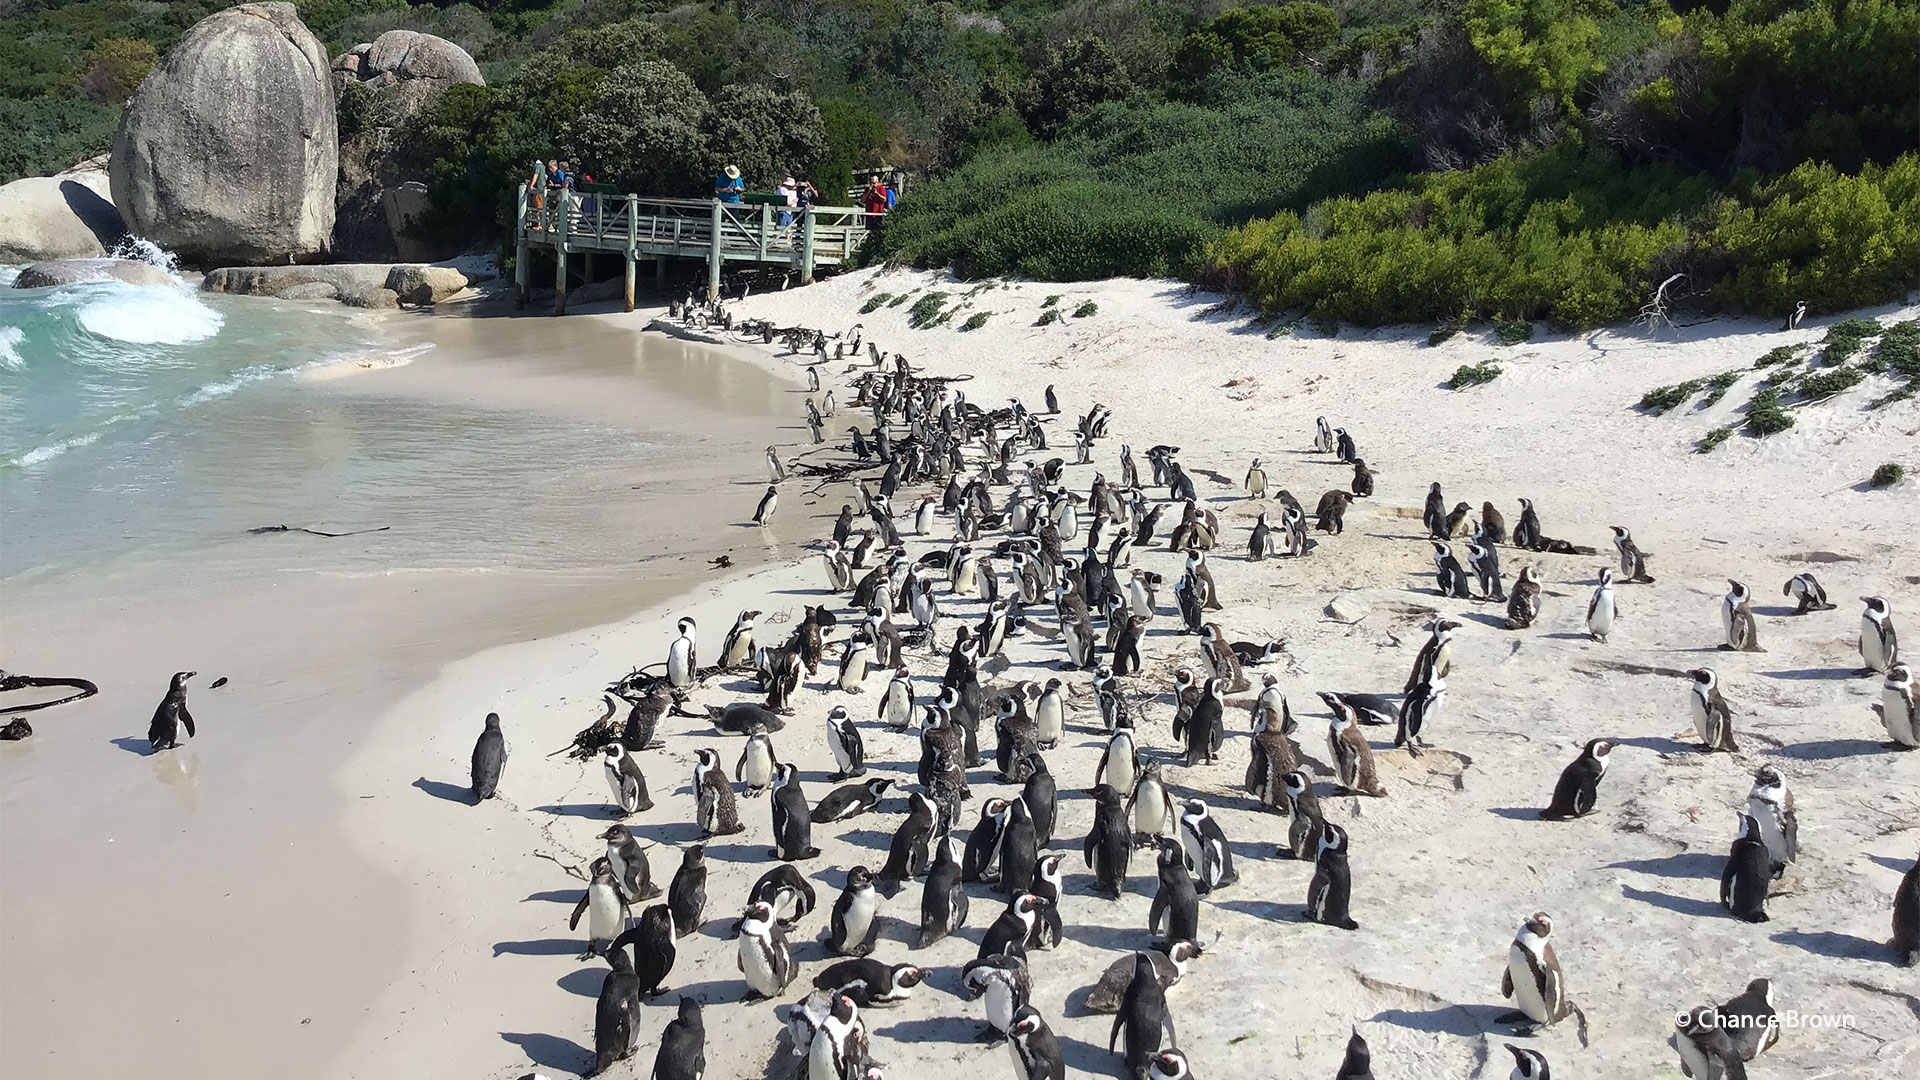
(788, 181)
(733, 172)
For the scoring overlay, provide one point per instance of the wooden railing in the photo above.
(636, 227)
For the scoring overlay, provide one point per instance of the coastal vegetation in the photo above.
(1363, 161)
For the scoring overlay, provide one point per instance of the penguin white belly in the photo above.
(1149, 810)
(785, 904)
(606, 919)
(759, 771)
(842, 761)
(1137, 599)
(859, 916)
(822, 1057)
(1048, 723)
(1526, 994)
(853, 673)
(923, 521)
(899, 714)
(1900, 726)
(679, 674)
(1697, 1064)
(967, 581)
(1701, 724)
(1019, 1062)
(756, 965)
(999, 1005)
(1770, 832)
(618, 864)
(1871, 649)
(1118, 774)
(1601, 620)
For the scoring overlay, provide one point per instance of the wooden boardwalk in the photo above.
(636, 228)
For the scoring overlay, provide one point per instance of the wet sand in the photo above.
(204, 899)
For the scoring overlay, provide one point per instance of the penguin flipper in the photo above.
(579, 909)
(186, 720)
(1119, 1019)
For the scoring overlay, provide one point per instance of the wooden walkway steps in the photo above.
(638, 228)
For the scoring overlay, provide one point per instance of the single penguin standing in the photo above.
(856, 914)
(1109, 843)
(1176, 901)
(1712, 719)
(714, 807)
(625, 780)
(763, 958)
(1575, 794)
(843, 738)
(943, 900)
(489, 753)
(172, 715)
(683, 663)
(1755, 1025)
(1899, 709)
(1749, 870)
(683, 1045)
(1602, 610)
(604, 907)
(1771, 804)
(1143, 1015)
(1906, 918)
(1208, 854)
(629, 863)
(1706, 1053)
(653, 949)
(1304, 823)
(1736, 620)
(1879, 644)
(1352, 757)
(1533, 978)
(792, 820)
(757, 766)
(616, 1016)
(769, 502)
(687, 894)
(1330, 892)
(1036, 1051)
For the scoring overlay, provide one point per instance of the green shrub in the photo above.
(1279, 330)
(925, 310)
(1715, 438)
(1446, 330)
(1765, 414)
(1888, 475)
(873, 303)
(1815, 385)
(1785, 354)
(1845, 338)
(975, 321)
(1085, 309)
(1050, 301)
(1718, 386)
(1899, 349)
(901, 299)
(1662, 398)
(1473, 375)
(1886, 399)
(1050, 315)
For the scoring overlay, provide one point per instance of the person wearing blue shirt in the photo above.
(729, 187)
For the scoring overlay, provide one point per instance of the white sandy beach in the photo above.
(1445, 867)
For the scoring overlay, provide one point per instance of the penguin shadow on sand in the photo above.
(1268, 911)
(1686, 864)
(1448, 1018)
(665, 834)
(1487, 618)
(1090, 1059)
(1516, 813)
(1838, 946)
(961, 1030)
(552, 1051)
(585, 981)
(1659, 744)
(597, 811)
(568, 946)
(134, 744)
(1819, 674)
(1680, 905)
(439, 789)
(1827, 749)
(1124, 939)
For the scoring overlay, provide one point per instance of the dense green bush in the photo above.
(1888, 475)
(1573, 237)
(1765, 413)
(1715, 438)
(1473, 375)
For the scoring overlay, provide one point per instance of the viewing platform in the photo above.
(636, 228)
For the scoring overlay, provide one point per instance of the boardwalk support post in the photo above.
(522, 254)
(713, 256)
(563, 216)
(633, 241)
(806, 246)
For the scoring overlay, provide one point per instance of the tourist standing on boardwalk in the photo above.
(729, 187)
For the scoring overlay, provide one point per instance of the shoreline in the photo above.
(326, 680)
(503, 983)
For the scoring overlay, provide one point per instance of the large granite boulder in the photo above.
(229, 151)
(409, 283)
(57, 217)
(73, 271)
(383, 83)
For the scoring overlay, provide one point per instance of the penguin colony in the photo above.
(1060, 553)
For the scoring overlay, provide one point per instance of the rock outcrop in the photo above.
(57, 217)
(73, 271)
(229, 151)
(403, 283)
(383, 83)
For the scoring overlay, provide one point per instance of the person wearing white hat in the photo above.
(789, 192)
(729, 187)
